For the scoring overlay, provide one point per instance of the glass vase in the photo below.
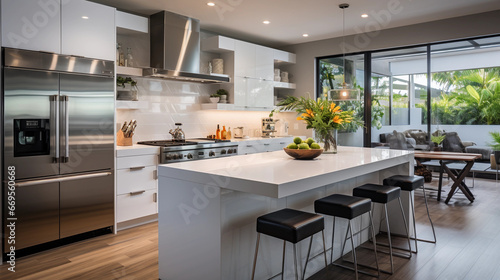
(328, 140)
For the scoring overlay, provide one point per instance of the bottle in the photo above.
(217, 133)
(118, 50)
(228, 136)
(122, 58)
(129, 61)
(223, 134)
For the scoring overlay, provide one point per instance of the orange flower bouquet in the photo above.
(322, 115)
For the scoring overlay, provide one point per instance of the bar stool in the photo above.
(385, 194)
(347, 207)
(292, 226)
(409, 184)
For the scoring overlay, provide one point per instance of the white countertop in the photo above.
(136, 150)
(275, 174)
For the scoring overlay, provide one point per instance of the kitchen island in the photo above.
(208, 208)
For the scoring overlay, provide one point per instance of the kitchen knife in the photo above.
(124, 127)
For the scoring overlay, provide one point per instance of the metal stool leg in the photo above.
(333, 235)
(295, 261)
(307, 258)
(429, 216)
(414, 223)
(353, 251)
(283, 261)
(389, 238)
(374, 244)
(406, 225)
(255, 257)
(324, 247)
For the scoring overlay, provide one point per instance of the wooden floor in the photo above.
(468, 248)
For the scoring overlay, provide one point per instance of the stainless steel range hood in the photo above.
(175, 49)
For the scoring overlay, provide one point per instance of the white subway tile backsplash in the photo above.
(170, 102)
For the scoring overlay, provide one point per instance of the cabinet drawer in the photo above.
(133, 180)
(136, 161)
(130, 207)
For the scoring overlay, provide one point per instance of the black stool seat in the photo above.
(344, 206)
(377, 193)
(406, 183)
(290, 225)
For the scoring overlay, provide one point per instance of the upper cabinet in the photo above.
(74, 27)
(88, 29)
(32, 25)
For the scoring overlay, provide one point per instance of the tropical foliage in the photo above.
(496, 141)
(467, 97)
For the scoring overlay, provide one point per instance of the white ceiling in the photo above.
(321, 19)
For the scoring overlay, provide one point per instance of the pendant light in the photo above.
(344, 93)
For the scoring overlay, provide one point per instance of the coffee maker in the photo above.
(269, 127)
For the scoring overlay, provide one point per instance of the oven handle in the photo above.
(54, 125)
(62, 179)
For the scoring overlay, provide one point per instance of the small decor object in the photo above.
(218, 66)
(124, 135)
(437, 140)
(322, 115)
(126, 89)
(223, 95)
(303, 149)
(284, 77)
(277, 75)
(214, 98)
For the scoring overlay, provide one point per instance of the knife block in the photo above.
(121, 140)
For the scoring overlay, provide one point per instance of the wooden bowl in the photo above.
(303, 154)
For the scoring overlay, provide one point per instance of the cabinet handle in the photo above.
(281, 143)
(137, 168)
(137, 193)
(155, 174)
(155, 197)
(266, 144)
(249, 146)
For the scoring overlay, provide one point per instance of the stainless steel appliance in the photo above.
(175, 49)
(177, 133)
(269, 127)
(58, 116)
(193, 149)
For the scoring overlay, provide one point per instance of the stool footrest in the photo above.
(393, 253)
(423, 240)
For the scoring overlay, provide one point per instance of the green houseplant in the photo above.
(223, 95)
(496, 146)
(126, 89)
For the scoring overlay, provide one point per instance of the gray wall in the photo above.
(437, 31)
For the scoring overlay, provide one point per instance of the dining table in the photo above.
(458, 176)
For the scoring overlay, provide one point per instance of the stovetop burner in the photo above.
(167, 143)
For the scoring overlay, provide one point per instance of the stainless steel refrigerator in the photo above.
(58, 133)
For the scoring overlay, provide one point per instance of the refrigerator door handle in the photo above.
(65, 100)
(54, 126)
(62, 179)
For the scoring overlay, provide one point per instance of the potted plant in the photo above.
(126, 89)
(223, 95)
(214, 98)
(437, 140)
(496, 146)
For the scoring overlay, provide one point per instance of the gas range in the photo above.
(193, 149)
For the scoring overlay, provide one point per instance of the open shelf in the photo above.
(284, 85)
(131, 105)
(129, 71)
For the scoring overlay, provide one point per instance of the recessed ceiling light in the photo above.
(211, 4)
(85, 17)
(305, 35)
(266, 22)
(364, 15)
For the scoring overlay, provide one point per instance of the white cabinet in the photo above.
(136, 187)
(263, 145)
(88, 29)
(264, 63)
(31, 25)
(252, 93)
(75, 27)
(244, 59)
